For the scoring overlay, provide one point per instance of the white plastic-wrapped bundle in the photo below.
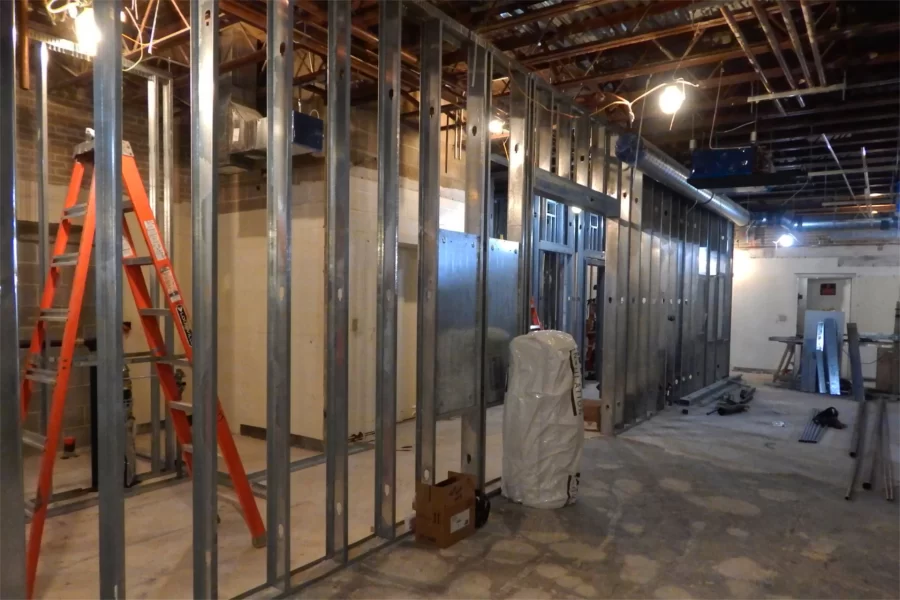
(543, 421)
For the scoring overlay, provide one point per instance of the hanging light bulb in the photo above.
(86, 32)
(576, 210)
(496, 126)
(671, 99)
(785, 240)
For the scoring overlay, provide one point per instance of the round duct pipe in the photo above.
(653, 162)
(803, 223)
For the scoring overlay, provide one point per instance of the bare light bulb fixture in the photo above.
(785, 240)
(86, 32)
(576, 210)
(496, 126)
(671, 99)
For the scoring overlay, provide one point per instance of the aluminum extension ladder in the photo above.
(58, 377)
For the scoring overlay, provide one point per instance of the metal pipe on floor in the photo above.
(887, 459)
(857, 442)
(877, 448)
(12, 495)
(204, 235)
(279, 121)
(108, 282)
(763, 19)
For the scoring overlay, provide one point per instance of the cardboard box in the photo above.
(445, 512)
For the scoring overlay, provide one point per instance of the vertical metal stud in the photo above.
(564, 141)
(204, 196)
(601, 167)
(429, 216)
(726, 303)
(519, 190)
(651, 394)
(477, 150)
(43, 167)
(337, 258)
(645, 193)
(168, 191)
(153, 198)
(279, 121)
(582, 151)
(614, 187)
(544, 121)
(108, 280)
(12, 504)
(389, 26)
(635, 265)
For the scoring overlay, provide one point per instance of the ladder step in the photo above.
(79, 210)
(29, 509)
(185, 407)
(65, 260)
(55, 314)
(230, 499)
(155, 312)
(189, 449)
(76, 211)
(178, 360)
(33, 439)
(47, 376)
(138, 261)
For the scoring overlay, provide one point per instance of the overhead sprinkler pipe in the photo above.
(653, 162)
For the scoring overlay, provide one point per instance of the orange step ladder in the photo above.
(58, 378)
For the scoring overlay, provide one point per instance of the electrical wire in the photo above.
(630, 103)
(53, 10)
(140, 39)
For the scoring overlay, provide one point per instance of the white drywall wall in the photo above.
(765, 296)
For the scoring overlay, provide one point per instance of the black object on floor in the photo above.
(813, 431)
(829, 418)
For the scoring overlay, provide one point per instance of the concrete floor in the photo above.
(158, 524)
(683, 506)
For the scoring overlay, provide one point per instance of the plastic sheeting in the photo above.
(543, 421)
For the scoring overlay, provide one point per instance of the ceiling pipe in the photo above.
(776, 47)
(837, 160)
(742, 42)
(795, 40)
(631, 149)
(809, 224)
(811, 33)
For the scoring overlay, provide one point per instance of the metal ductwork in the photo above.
(654, 162)
(829, 223)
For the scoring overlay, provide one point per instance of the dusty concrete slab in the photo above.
(683, 506)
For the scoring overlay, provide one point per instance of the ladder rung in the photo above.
(47, 376)
(155, 312)
(230, 499)
(75, 211)
(65, 260)
(178, 360)
(138, 261)
(35, 440)
(185, 407)
(29, 508)
(55, 314)
(189, 449)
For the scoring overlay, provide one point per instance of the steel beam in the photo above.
(429, 223)
(615, 176)
(389, 26)
(108, 281)
(646, 196)
(42, 166)
(12, 494)
(337, 259)
(204, 230)
(811, 33)
(168, 191)
(478, 98)
(520, 195)
(153, 198)
(279, 121)
(763, 19)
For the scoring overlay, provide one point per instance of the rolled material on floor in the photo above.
(887, 461)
